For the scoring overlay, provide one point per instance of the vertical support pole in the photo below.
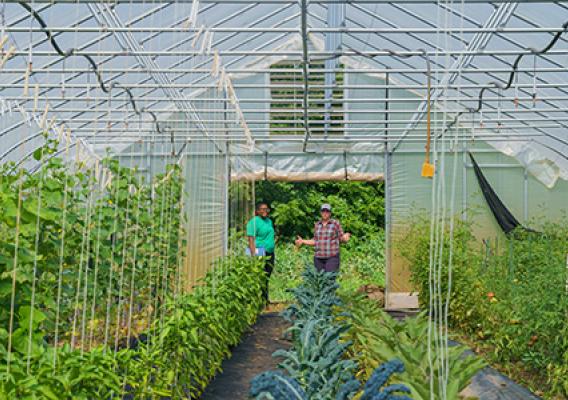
(227, 182)
(388, 225)
(526, 196)
(566, 272)
(464, 180)
(388, 194)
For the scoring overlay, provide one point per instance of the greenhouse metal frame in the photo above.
(186, 79)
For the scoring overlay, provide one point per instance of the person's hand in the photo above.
(346, 236)
(299, 241)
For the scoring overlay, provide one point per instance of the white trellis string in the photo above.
(84, 240)
(112, 255)
(197, 36)
(123, 263)
(194, 13)
(15, 267)
(134, 259)
(452, 216)
(61, 260)
(88, 258)
(100, 191)
(136, 227)
(159, 307)
(165, 257)
(35, 263)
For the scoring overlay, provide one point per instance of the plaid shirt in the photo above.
(327, 238)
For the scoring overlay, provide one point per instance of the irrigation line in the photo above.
(512, 75)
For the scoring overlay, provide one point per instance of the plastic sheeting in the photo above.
(206, 199)
(410, 194)
(326, 162)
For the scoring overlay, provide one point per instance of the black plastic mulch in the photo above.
(489, 384)
(250, 358)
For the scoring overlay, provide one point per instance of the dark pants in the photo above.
(268, 267)
(329, 264)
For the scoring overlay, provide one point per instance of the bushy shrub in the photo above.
(466, 300)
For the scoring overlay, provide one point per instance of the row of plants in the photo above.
(92, 301)
(183, 355)
(82, 256)
(316, 366)
(376, 337)
(508, 298)
(200, 329)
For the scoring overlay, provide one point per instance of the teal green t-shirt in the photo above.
(263, 230)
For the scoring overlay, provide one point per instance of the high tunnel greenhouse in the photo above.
(135, 135)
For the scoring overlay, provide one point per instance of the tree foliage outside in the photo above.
(359, 206)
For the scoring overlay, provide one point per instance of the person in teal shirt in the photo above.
(260, 233)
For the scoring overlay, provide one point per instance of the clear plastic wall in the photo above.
(526, 197)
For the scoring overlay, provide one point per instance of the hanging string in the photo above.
(452, 217)
(139, 197)
(100, 208)
(123, 262)
(499, 111)
(85, 232)
(35, 262)
(61, 256)
(15, 262)
(516, 99)
(112, 266)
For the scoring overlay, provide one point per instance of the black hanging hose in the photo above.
(91, 61)
(491, 85)
(512, 74)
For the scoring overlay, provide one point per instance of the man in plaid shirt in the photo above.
(327, 236)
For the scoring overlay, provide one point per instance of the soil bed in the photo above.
(250, 358)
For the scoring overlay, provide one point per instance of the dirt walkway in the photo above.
(251, 357)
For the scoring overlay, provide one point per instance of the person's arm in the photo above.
(309, 242)
(343, 237)
(251, 236)
(252, 245)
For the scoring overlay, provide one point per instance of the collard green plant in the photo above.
(274, 385)
(316, 365)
